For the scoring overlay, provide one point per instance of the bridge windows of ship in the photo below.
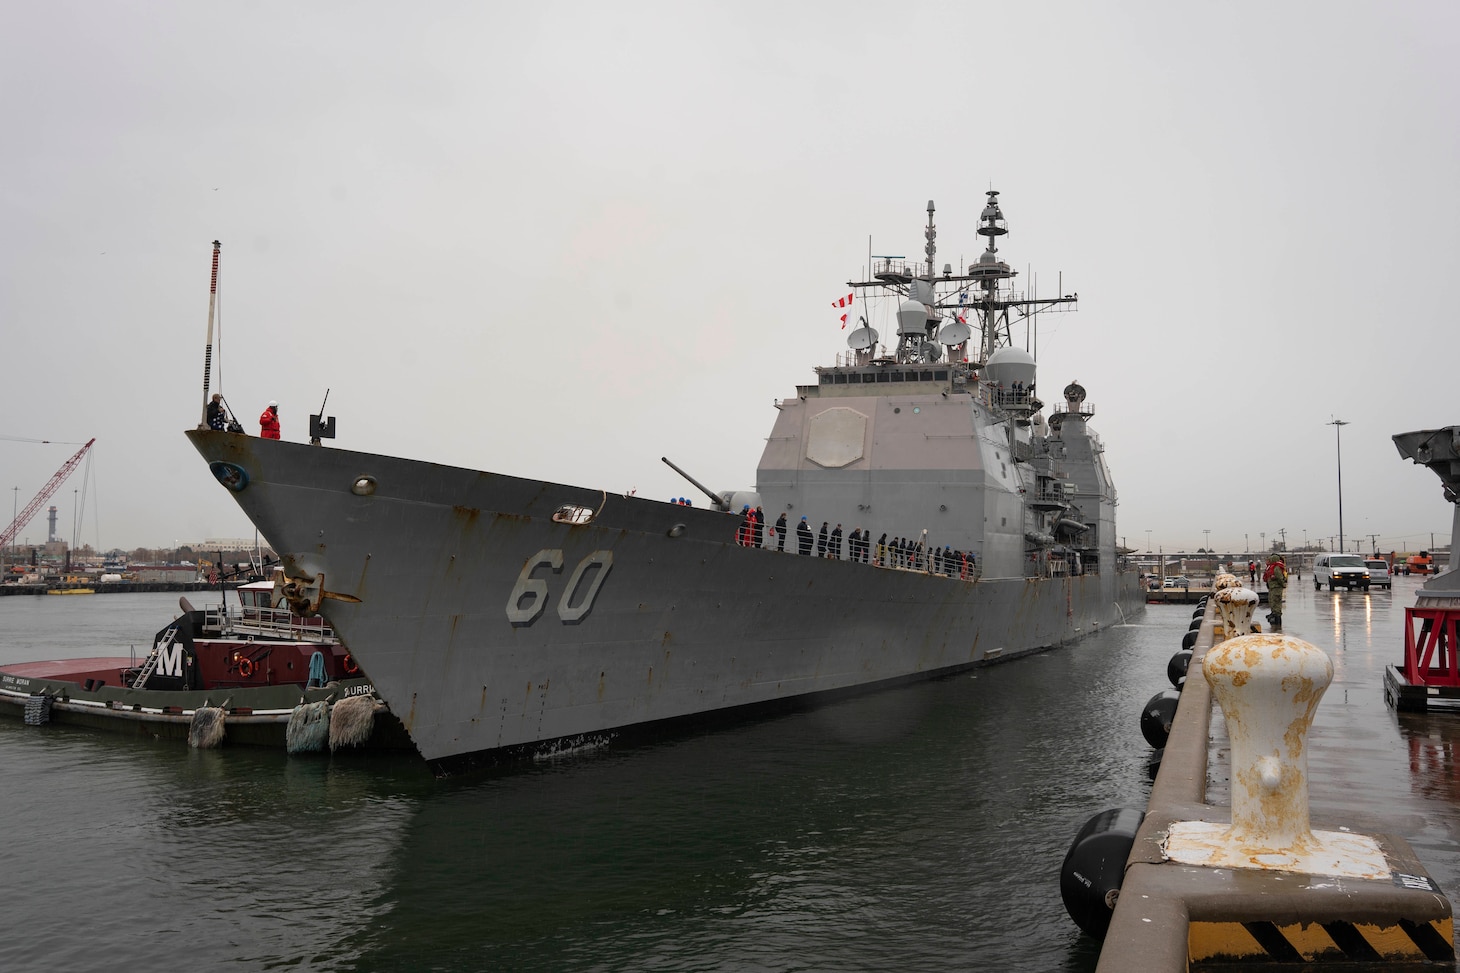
(882, 375)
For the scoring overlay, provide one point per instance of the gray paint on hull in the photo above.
(681, 625)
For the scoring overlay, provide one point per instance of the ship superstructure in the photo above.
(940, 436)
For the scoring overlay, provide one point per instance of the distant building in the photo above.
(165, 572)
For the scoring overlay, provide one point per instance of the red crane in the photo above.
(44, 495)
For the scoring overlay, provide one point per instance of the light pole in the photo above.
(1338, 425)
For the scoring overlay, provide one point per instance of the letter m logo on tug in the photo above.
(169, 659)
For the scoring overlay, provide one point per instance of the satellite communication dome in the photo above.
(912, 318)
(1009, 365)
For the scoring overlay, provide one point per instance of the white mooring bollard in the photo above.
(1236, 604)
(1268, 687)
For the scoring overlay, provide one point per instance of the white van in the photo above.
(1340, 571)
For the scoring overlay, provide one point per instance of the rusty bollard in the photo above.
(1268, 687)
(1236, 604)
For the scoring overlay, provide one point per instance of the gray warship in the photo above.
(506, 619)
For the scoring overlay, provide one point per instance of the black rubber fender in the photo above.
(1176, 667)
(1157, 715)
(1094, 867)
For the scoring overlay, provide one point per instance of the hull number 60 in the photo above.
(530, 595)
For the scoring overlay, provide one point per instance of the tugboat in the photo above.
(250, 667)
(527, 618)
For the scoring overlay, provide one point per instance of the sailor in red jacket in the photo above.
(269, 422)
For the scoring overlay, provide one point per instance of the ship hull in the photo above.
(496, 632)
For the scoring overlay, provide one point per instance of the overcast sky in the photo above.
(562, 240)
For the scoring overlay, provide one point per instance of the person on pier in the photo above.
(1276, 577)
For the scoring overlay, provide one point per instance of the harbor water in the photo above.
(920, 828)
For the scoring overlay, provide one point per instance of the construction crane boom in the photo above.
(45, 494)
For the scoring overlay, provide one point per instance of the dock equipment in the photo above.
(67, 468)
(1430, 672)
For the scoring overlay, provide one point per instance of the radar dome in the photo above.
(1009, 365)
(912, 318)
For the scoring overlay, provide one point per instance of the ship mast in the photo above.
(990, 270)
(208, 352)
(920, 314)
(931, 248)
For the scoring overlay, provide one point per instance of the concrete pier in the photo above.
(1369, 904)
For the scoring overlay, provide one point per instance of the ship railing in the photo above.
(929, 563)
(1011, 399)
(926, 563)
(276, 623)
(892, 267)
(1084, 410)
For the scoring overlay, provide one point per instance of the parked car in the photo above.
(1181, 582)
(1340, 571)
(1379, 572)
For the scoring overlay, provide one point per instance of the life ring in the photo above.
(348, 664)
(245, 668)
